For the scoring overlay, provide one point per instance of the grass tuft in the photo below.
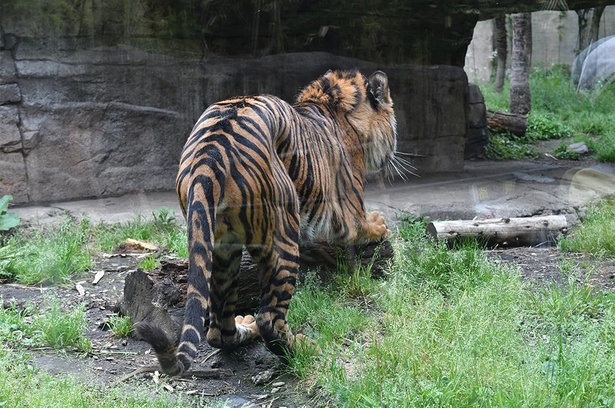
(597, 233)
(52, 254)
(121, 326)
(47, 325)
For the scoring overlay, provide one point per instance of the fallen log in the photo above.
(504, 121)
(159, 296)
(507, 232)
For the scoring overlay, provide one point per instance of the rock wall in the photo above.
(112, 120)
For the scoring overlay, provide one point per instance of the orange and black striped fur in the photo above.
(260, 173)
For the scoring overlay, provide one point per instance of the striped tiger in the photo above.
(264, 174)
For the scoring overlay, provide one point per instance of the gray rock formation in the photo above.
(112, 120)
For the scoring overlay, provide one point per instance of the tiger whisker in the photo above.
(405, 162)
(399, 172)
(405, 165)
(390, 171)
(417, 155)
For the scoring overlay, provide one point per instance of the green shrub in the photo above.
(509, 146)
(541, 127)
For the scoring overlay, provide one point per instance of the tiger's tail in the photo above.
(176, 359)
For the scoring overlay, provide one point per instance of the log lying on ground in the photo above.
(158, 296)
(504, 121)
(507, 232)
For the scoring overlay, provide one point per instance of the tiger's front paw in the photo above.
(377, 226)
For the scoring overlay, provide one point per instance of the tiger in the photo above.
(259, 173)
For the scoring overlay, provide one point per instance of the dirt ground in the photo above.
(248, 377)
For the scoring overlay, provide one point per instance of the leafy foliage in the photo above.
(509, 146)
(7, 220)
(542, 126)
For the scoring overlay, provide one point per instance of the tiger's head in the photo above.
(367, 106)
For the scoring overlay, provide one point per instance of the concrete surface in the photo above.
(485, 189)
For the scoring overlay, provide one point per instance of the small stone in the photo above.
(578, 147)
(263, 377)
(276, 390)
(278, 384)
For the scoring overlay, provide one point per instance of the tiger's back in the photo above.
(258, 172)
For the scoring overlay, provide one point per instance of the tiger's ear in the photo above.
(379, 87)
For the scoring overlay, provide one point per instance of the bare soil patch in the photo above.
(546, 266)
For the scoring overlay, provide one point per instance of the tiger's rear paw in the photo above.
(377, 226)
(246, 328)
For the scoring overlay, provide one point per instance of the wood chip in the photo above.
(140, 245)
(99, 274)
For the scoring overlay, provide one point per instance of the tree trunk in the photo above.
(520, 95)
(501, 50)
(503, 121)
(589, 25)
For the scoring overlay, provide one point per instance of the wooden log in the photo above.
(507, 232)
(504, 121)
(159, 296)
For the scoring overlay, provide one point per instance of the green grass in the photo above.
(49, 255)
(558, 111)
(162, 229)
(48, 324)
(447, 327)
(597, 233)
(149, 263)
(121, 326)
(444, 327)
(24, 385)
(54, 254)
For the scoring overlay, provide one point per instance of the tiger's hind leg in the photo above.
(226, 331)
(279, 266)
